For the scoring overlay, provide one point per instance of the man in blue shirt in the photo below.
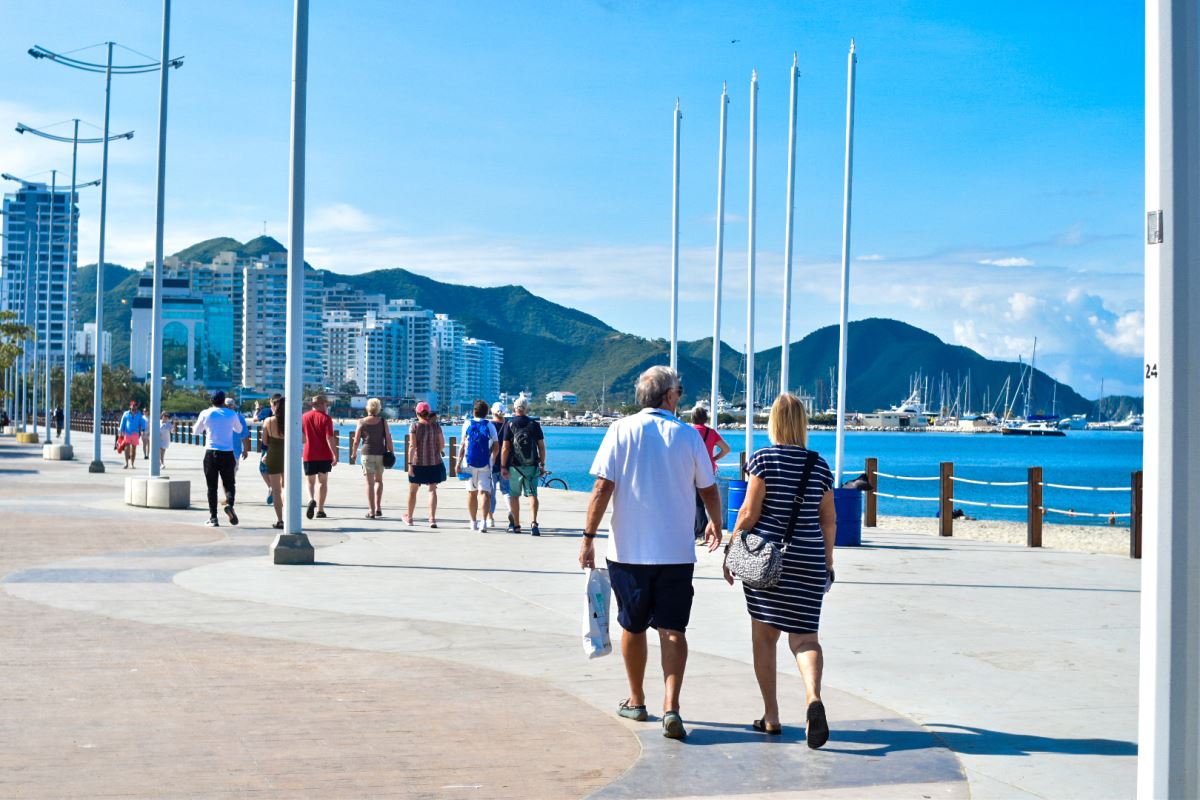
(129, 433)
(223, 426)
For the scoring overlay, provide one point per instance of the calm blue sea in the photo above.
(1081, 458)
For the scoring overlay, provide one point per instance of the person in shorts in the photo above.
(130, 430)
(320, 454)
(166, 427)
(479, 446)
(426, 443)
(522, 462)
(373, 439)
(499, 482)
(650, 465)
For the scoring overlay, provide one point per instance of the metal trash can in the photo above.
(849, 505)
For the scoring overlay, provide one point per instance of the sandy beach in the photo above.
(1076, 538)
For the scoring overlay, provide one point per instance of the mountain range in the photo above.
(550, 347)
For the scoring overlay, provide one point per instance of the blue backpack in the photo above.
(479, 445)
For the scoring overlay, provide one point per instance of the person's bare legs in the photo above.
(162, 457)
(322, 491)
(473, 505)
(433, 502)
(765, 641)
(514, 508)
(275, 484)
(312, 488)
(633, 650)
(674, 659)
(533, 507)
(412, 499)
(811, 660)
(378, 494)
(370, 493)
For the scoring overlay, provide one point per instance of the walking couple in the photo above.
(650, 467)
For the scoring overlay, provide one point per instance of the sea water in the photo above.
(1081, 458)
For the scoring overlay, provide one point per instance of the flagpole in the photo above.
(839, 447)
(785, 352)
(716, 353)
(750, 266)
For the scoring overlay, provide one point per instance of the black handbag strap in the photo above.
(801, 493)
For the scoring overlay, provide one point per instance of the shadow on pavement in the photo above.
(973, 741)
(993, 586)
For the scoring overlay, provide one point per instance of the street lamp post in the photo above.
(715, 390)
(785, 353)
(750, 220)
(840, 436)
(49, 291)
(108, 69)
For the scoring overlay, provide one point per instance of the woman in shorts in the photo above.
(166, 426)
(425, 466)
(272, 435)
(374, 439)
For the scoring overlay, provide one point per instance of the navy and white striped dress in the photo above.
(794, 604)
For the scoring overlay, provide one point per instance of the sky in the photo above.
(998, 154)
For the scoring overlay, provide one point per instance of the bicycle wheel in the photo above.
(556, 483)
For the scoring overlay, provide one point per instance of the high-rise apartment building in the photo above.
(85, 347)
(415, 366)
(38, 261)
(264, 326)
(483, 361)
(198, 332)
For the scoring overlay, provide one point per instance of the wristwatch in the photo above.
(591, 535)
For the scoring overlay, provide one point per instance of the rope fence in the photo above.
(1034, 506)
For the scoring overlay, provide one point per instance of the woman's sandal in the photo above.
(762, 727)
(817, 731)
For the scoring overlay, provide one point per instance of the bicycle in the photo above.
(546, 482)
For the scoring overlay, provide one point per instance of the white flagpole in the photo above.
(784, 355)
(750, 266)
(156, 318)
(675, 246)
(716, 354)
(1169, 696)
(845, 304)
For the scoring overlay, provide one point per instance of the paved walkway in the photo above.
(146, 655)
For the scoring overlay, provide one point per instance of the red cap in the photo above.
(423, 407)
(133, 403)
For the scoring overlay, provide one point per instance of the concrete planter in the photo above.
(58, 452)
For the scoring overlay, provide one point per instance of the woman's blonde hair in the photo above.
(374, 407)
(789, 421)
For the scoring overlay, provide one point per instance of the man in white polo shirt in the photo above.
(223, 426)
(650, 465)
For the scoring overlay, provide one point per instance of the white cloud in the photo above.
(340, 218)
(1011, 261)
(870, 257)
(1127, 334)
(1021, 306)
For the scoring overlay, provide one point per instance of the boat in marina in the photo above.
(1039, 427)
(1075, 422)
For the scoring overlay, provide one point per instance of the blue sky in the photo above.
(998, 158)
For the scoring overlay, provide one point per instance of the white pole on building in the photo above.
(785, 353)
(675, 245)
(839, 446)
(97, 464)
(1169, 701)
(750, 265)
(292, 546)
(49, 294)
(716, 353)
(156, 345)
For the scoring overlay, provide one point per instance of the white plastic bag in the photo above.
(596, 642)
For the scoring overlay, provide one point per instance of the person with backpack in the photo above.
(479, 444)
(522, 462)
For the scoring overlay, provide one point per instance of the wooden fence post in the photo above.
(872, 500)
(1135, 515)
(453, 461)
(1033, 511)
(945, 500)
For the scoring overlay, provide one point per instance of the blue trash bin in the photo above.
(849, 505)
(737, 495)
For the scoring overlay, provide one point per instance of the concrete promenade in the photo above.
(144, 655)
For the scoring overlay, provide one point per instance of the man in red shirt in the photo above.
(320, 453)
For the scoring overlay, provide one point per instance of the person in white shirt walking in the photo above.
(650, 466)
(480, 446)
(223, 426)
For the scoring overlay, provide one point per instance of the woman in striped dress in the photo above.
(793, 606)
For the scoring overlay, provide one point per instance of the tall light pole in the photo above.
(716, 354)
(49, 290)
(108, 69)
(292, 546)
(839, 445)
(675, 244)
(72, 265)
(785, 353)
(1169, 698)
(159, 209)
(750, 222)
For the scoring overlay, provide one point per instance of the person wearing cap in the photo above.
(222, 425)
(320, 453)
(241, 445)
(130, 429)
(499, 482)
(425, 466)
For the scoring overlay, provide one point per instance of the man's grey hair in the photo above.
(653, 385)
(521, 404)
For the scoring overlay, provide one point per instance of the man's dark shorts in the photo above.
(317, 467)
(652, 595)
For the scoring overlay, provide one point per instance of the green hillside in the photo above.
(120, 287)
